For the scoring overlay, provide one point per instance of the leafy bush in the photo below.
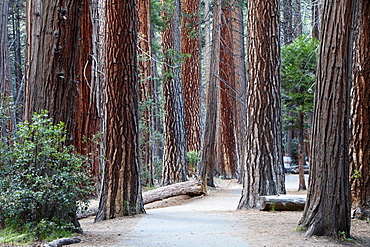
(44, 182)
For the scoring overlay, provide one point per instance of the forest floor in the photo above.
(210, 220)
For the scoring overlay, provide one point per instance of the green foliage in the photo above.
(298, 67)
(44, 182)
(342, 236)
(193, 157)
(301, 228)
(272, 207)
(356, 174)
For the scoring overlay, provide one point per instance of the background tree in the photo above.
(263, 173)
(174, 150)
(7, 126)
(209, 156)
(145, 90)
(360, 115)
(191, 72)
(298, 77)
(17, 24)
(121, 192)
(316, 5)
(240, 79)
(327, 210)
(5, 82)
(297, 19)
(227, 132)
(287, 21)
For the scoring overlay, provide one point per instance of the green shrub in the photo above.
(44, 182)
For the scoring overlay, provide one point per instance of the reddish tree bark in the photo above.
(360, 115)
(86, 121)
(145, 90)
(228, 144)
(191, 72)
(52, 60)
(263, 172)
(121, 192)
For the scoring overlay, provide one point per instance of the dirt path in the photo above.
(208, 221)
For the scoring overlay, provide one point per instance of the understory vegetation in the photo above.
(44, 182)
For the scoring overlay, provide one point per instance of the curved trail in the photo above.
(199, 222)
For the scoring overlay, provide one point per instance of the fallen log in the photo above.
(191, 188)
(281, 203)
(62, 242)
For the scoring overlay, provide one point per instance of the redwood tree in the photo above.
(240, 79)
(263, 173)
(227, 133)
(174, 149)
(360, 115)
(327, 210)
(5, 82)
(52, 54)
(191, 72)
(86, 119)
(6, 90)
(145, 90)
(209, 156)
(121, 191)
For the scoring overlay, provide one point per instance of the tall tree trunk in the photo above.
(209, 156)
(264, 173)
(53, 62)
(327, 211)
(228, 142)
(191, 72)
(301, 152)
(287, 22)
(99, 69)
(17, 19)
(52, 41)
(174, 153)
(287, 31)
(121, 192)
(145, 90)
(6, 89)
(207, 40)
(5, 82)
(86, 121)
(316, 6)
(240, 80)
(191, 75)
(297, 19)
(360, 115)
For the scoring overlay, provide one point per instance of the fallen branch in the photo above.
(61, 242)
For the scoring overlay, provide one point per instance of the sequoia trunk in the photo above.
(121, 192)
(327, 210)
(174, 153)
(263, 173)
(360, 115)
